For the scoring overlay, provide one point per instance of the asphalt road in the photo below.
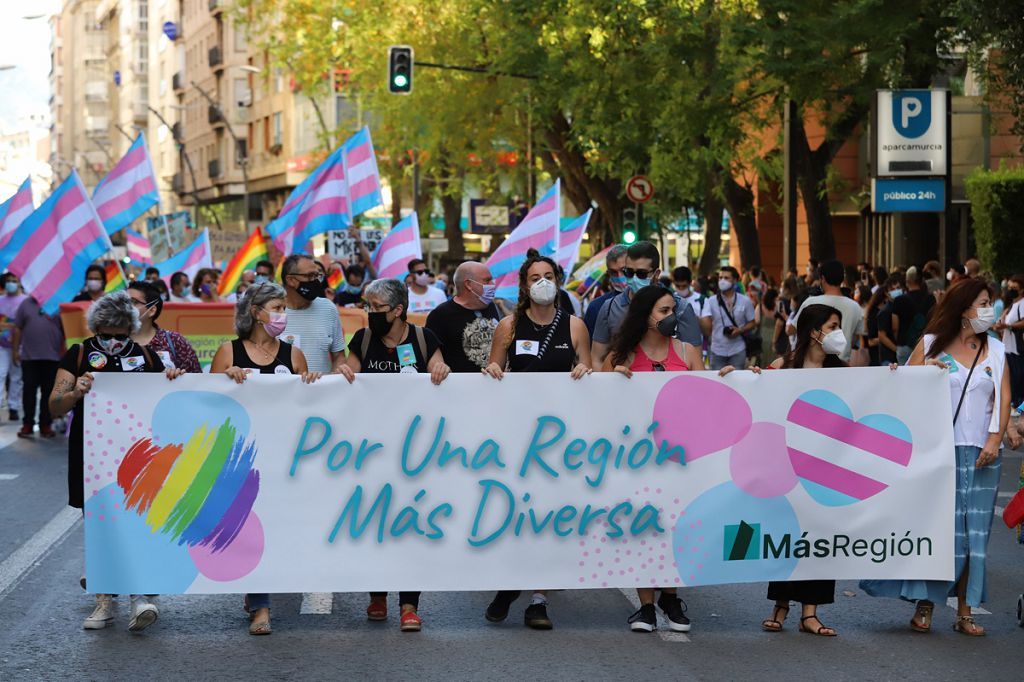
(204, 637)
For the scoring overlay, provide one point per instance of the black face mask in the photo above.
(379, 324)
(668, 326)
(311, 290)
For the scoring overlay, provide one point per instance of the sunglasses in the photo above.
(421, 272)
(638, 272)
(108, 337)
(658, 367)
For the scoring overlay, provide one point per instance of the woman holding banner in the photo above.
(390, 345)
(819, 340)
(646, 343)
(537, 337)
(956, 339)
(111, 319)
(173, 348)
(259, 318)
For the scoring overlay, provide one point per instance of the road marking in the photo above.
(975, 610)
(1006, 496)
(999, 511)
(25, 558)
(663, 629)
(8, 477)
(317, 603)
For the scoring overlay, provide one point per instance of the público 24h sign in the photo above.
(908, 195)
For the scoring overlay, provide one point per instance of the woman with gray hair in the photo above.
(260, 317)
(390, 345)
(112, 319)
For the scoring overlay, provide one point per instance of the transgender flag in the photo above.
(361, 173)
(317, 205)
(55, 245)
(539, 230)
(138, 247)
(399, 246)
(13, 213)
(127, 191)
(570, 237)
(190, 260)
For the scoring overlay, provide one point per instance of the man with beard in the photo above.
(465, 324)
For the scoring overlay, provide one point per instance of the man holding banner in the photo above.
(313, 322)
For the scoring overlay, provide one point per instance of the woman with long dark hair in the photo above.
(819, 341)
(646, 342)
(537, 337)
(979, 382)
(883, 294)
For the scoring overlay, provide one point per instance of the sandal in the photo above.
(822, 631)
(922, 620)
(261, 626)
(965, 625)
(774, 624)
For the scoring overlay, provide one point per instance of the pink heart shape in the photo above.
(702, 415)
(760, 464)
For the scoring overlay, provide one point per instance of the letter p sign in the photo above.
(912, 112)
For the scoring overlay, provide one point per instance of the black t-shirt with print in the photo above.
(89, 357)
(465, 335)
(383, 360)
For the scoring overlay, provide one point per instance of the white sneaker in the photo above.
(102, 615)
(144, 613)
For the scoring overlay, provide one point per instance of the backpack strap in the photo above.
(81, 354)
(421, 341)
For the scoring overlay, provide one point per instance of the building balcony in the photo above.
(178, 82)
(177, 133)
(213, 168)
(216, 58)
(214, 115)
(216, 7)
(178, 184)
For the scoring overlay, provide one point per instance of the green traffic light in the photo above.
(401, 80)
(629, 237)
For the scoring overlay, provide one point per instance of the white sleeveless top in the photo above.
(978, 416)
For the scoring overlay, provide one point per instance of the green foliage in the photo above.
(997, 203)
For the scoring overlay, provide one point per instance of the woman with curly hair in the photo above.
(537, 337)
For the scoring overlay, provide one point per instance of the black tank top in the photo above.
(282, 364)
(529, 353)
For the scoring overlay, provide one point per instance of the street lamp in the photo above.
(188, 162)
(245, 159)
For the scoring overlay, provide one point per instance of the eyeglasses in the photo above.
(108, 337)
(640, 273)
(383, 308)
(308, 277)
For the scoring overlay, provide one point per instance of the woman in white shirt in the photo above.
(956, 339)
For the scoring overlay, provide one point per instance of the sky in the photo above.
(26, 45)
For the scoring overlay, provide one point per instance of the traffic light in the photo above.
(400, 69)
(630, 224)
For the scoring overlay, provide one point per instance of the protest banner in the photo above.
(203, 486)
(205, 325)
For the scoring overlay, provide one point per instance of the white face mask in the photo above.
(422, 280)
(724, 285)
(93, 284)
(543, 292)
(834, 342)
(985, 319)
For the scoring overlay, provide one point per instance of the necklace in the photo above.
(261, 349)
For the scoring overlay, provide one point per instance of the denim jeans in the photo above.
(739, 360)
(903, 354)
(258, 601)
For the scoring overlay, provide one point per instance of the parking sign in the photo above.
(910, 133)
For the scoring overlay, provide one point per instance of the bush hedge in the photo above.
(997, 207)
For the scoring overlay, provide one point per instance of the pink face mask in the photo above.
(278, 321)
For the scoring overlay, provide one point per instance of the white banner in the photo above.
(391, 483)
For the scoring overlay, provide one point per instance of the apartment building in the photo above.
(166, 69)
(80, 86)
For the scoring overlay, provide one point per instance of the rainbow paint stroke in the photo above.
(200, 493)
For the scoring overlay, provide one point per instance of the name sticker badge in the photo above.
(294, 339)
(406, 355)
(97, 360)
(281, 369)
(527, 347)
(950, 362)
(133, 362)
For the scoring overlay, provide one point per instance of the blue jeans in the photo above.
(258, 601)
(739, 360)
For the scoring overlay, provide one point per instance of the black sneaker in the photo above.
(536, 617)
(644, 620)
(497, 610)
(675, 611)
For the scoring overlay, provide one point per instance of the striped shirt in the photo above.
(317, 331)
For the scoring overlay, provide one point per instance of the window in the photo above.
(242, 96)
(143, 16)
(278, 128)
(241, 152)
(266, 132)
(241, 39)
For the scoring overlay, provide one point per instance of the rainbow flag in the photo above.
(253, 251)
(335, 279)
(589, 272)
(115, 277)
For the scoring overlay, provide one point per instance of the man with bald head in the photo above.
(465, 324)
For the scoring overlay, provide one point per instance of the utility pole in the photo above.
(188, 163)
(245, 159)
